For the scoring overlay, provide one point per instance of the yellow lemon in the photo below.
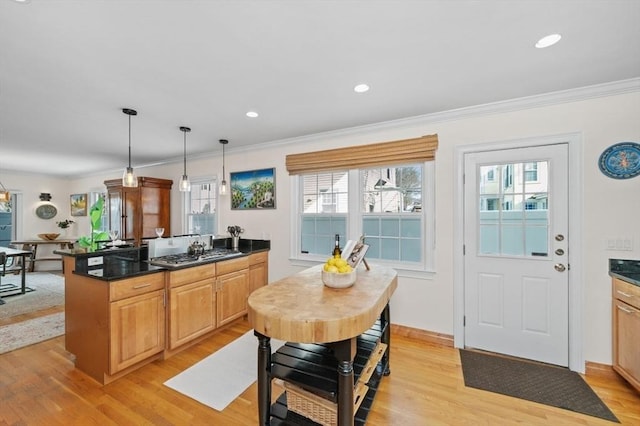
(341, 263)
(332, 269)
(326, 267)
(331, 261)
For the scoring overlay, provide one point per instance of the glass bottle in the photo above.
(337, 252)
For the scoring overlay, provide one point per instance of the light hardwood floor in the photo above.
(39, 386)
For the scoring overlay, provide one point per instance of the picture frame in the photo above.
(253, 189)
(78, 204)
(354, 252)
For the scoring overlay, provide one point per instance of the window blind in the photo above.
(363, 156)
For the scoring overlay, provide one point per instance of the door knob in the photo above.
(560, 267)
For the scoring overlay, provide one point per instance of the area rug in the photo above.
(48, 292)
(542, 383)
(25, 333)
(221, 377)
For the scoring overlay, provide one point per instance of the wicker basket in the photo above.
(316, 408)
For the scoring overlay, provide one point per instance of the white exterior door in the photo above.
(516, 295)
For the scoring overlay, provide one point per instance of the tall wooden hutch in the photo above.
(136, 212)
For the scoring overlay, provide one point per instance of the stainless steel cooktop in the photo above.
(184, 259)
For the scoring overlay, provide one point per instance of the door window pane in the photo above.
(513, 209)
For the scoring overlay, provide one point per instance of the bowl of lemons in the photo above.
(337, 273)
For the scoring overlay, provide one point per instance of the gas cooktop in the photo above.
(184, 259)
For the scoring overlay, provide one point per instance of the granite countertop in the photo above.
(121, 263)
(627, 270)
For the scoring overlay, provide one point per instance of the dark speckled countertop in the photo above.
(625, 269)
(128, 262)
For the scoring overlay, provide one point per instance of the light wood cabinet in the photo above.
(258, 270)
(192, 304)
(136, 212)
(626, 331)
(113, 327)
(137, 329)
(232, 285)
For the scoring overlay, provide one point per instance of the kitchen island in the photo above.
(122, 312)
(328, 325)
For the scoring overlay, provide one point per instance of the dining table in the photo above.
(12, 289)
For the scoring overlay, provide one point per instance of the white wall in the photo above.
(610, 206)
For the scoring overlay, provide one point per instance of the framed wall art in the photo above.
(253, 189)
(78, 204)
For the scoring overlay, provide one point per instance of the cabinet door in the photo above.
(136, 329)
(114, 201)
(626, 338)
(257, 276)
(233, 290)
(192, 311)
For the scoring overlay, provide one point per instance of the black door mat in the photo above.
(542, 383)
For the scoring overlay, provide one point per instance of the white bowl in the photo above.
(338, 280)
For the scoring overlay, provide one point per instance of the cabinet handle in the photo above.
(625, 294)
(136, 287)
(625, 310)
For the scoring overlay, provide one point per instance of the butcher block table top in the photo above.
(300, 308)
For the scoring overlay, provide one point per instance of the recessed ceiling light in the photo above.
(22, 1)
(361, 88)
(547, 41)
(252, 114)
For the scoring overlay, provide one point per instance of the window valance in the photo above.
(363, 156)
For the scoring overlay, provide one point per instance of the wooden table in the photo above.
(300, 308)
(16, 253)
(32, 246)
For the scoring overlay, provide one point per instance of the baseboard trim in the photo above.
(595, 369)
(423, 335)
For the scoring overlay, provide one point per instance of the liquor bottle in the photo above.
(336, 250)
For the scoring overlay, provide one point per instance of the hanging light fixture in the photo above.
(129, 179)
(4, 193)
(223, 184)
(185, 185)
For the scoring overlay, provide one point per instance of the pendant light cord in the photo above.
(185, 152)
(129, 141)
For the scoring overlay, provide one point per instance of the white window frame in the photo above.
(422, 269)
(186, 202)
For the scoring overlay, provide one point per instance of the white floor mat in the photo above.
(224, 375)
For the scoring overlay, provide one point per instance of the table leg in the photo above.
(23, 278)
(345, 351)
(385, 323)
(264, 378)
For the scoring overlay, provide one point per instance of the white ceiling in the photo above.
(67, 68)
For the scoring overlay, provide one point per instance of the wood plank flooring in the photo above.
(39, 386)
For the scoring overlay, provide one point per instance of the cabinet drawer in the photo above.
(626, 292)
(191, 275)
(134, 286)
(232, 265)
(260, 257)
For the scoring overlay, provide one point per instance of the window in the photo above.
(531, 172)
(200, 207)
(324, 211)
(385, 204)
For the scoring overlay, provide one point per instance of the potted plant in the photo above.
(65, 223)
(95, 217)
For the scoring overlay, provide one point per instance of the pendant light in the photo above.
(4, 193)
(223, 184)
(185, 185)
(129, 179)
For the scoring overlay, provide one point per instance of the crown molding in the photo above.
(511, 105)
